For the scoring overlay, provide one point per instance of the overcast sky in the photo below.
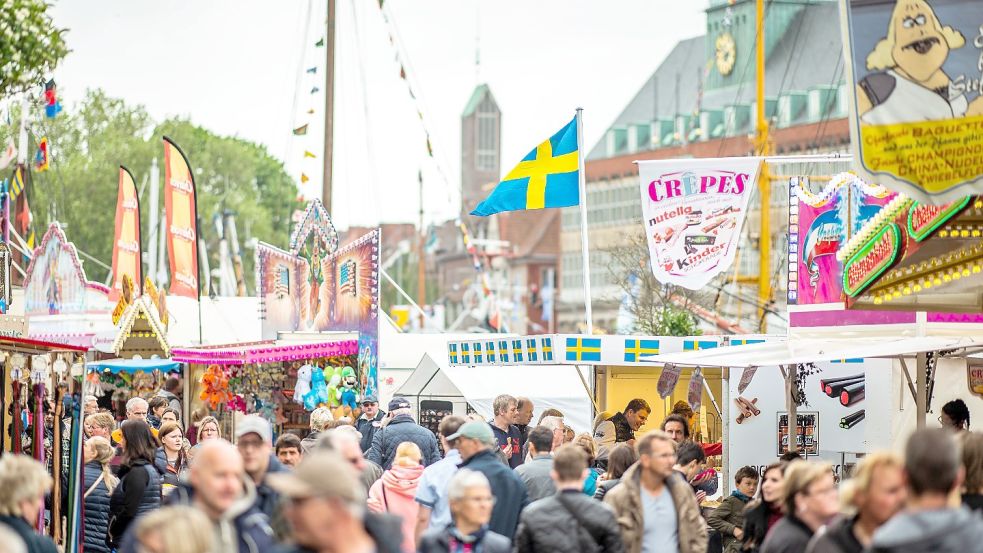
(238, 67)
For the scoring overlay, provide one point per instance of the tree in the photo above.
(89, 143)
(655, 309)
(30, 45)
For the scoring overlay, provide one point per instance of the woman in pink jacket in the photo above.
(395, 492)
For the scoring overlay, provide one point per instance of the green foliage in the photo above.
(657, 309)
(91, 140)
(30, 45)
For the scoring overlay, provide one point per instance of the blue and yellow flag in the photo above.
(547, 177)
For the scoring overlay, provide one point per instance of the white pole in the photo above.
(22, 144)
(585, 252)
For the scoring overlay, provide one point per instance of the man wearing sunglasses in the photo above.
(370, 421)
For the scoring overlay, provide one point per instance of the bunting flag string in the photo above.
(301, 130)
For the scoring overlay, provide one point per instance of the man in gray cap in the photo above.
(325, 503)
(254, 439)
(477, 443)
(370, 421)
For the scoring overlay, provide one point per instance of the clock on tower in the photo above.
(726, 53)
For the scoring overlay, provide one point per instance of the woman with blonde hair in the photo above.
(585, 442)
(98, 488)
(874, 495)
(23, 484)
(972, 453)
(809, 500)
(208, 429)
(175, 529)
(395, 492)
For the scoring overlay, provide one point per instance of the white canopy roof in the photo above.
(556, 386)
(767, 354)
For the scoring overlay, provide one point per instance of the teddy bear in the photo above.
(319, 390)
(347, 394)
(303, 384)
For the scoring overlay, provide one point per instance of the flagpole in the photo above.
(585, 252)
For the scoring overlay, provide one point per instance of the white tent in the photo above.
(548, 386)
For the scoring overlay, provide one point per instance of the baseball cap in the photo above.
(475, 430)
(319, 474)
(254, 424)
(370, 399)
(398, 403)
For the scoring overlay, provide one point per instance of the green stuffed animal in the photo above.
(334, 390)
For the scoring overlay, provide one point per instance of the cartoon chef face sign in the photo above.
(917, 44)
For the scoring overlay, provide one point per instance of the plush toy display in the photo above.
(303, 383)
(319, 391)
(215, 387)
(334, 390)
(348, 394)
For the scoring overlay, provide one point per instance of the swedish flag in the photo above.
(547, 177)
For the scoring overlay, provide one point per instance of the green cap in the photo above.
(475, 430)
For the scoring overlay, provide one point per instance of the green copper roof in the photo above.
(476, 97)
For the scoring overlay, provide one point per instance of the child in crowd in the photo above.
(728, 518)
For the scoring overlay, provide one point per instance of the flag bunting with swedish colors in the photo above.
(634, 349)
(697, 345)
(583, 349)
(547, 177)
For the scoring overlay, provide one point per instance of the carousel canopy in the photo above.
(116, 366)
(271, 351)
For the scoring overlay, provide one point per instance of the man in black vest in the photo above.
(621, 427)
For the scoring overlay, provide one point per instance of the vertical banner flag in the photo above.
(181, 214)
(127, 247)
(693, 211)
(916, 114)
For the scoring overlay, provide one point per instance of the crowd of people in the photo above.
(385, 484)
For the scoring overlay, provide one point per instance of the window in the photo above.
(486, 158)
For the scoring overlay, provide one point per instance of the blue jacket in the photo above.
(402, 428)
(138, 493)
(367, 428)
(96, 513)
(509, 491)
(35, 543)
(160, 463)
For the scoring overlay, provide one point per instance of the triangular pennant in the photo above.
(312, 70)
(319, 43)
(309, 154)
(315, 90)
(304, 178)
(301, 130)
(310, 111)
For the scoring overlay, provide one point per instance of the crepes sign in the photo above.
(693, 212)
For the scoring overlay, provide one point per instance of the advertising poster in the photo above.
(180, 211)
(126, 243)
(693, 211)
(914, 70)
(317, 287)
(834, 421)
(818, 229)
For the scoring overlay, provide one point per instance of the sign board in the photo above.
(13, 326)
(916, 113)
(693, 211)
(974, 377)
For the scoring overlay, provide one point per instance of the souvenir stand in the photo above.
(281, 380)
(40, 415)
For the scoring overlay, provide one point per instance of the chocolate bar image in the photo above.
(852, 419)
(694, 218)
(700, 240)
(852, 394)
(714, 225)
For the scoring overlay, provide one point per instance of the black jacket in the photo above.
(368, 428)
(268, 501)
(96, 510)
(160, 463)
(508, 490)
(34, 542)
(838, 538)
(137, 493)
(790, 535)
(568, 522)
(604, 487)
(438, 540)
(402, 428)
(622, 429)
(385, 530)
